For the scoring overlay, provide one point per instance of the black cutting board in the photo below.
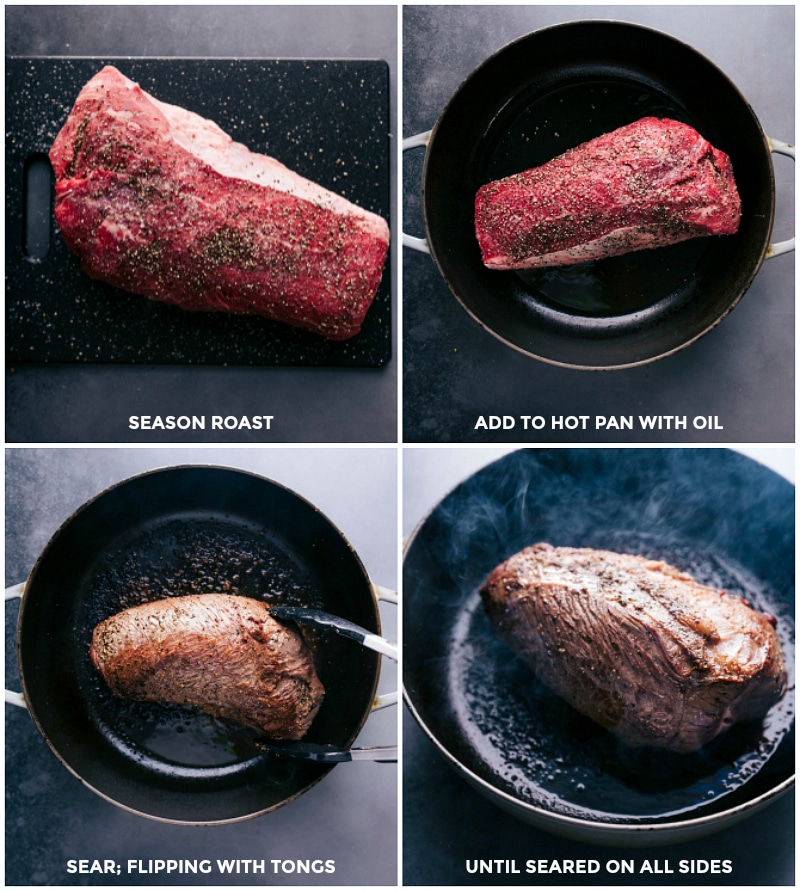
(327, 120)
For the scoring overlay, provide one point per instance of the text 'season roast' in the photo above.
(613, 653)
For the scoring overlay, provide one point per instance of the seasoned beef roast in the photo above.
(158, 201)
(638, 646)
(223, 654)
(651, 183)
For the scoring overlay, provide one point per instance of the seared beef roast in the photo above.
(651, 183)
(156, 200)
(638, 646)
(223, 654)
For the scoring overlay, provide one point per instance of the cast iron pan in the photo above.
(187, 530)
(546, 93)
(712, 512)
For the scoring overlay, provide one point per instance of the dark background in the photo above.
(78, 403)
(350, 816)
(742, 371)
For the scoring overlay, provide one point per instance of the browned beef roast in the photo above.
(649, 184)
(224, 654)
(638, 646)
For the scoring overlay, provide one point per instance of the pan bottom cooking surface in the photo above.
(170, 558)
(542, 124)
(545, 753)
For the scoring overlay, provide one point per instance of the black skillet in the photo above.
(186, 530)
(712, 512)
(550, 91)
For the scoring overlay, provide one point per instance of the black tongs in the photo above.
(320, 619)
(327, 754)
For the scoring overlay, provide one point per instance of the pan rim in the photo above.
(609, 829)
(742, 287)
(24, 602)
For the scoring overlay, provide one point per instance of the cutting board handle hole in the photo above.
(37, 206)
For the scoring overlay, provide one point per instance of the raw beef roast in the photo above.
(638, 646)
(159, 201)
(649, 184)
(223, 654)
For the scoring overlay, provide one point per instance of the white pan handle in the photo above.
(12, 698)
(387, 595)
(419, 141)
(781, 247)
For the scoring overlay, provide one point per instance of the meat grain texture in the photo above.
(638, 646)
(652, 183)
(221, 653)
(159, 201)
